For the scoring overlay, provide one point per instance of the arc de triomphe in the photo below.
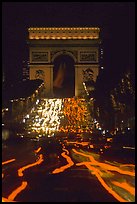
(46, 44)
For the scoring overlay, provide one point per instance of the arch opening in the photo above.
(63, 76)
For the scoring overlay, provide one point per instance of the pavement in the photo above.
(63, 174)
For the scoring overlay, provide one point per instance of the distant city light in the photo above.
(103, 131)
(128, 147)
(37, 101)
(27, 116)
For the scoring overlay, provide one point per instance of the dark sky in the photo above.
(116, 19)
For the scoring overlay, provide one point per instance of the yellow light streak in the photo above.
(8, 161)
(79, 143)
(126, 186)
(48, 117)
(17, 191)
(98, 174)
(127, 165)
(6, 200)
(65, 150)
(40, 160)
(106, 167)
(63, 168)
(38, 150)
(76, 114)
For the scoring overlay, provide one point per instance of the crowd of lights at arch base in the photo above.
(68, 115)
(59, 115)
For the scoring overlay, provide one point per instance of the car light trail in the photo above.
(127, 165)
(70, 115)
(40, 160)
(61, 169)
(17, 191)
(98, 174)
(62, 115)
(46, 117)
(12, 196)
(65, 150)
(99, 169)
(76, 115)
(79, 143)
(8, 161)
(128, 147)
(126, 186)
(106, 166)
(38, 150)
(3, 163)
(6, 200)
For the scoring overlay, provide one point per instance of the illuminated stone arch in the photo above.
(82, 44)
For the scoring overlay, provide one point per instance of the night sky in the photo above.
(116, 20)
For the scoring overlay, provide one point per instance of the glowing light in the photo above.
(99, 172)
(126, 186)
(17, 191)
(48, 118)
(6, 200)
(128, 147)
(38, 150)
(37, 101)
(40, 160)
(91, 146)
(54, 33)
(79, 143)
(8, 161)
(61, 169)
(27, 116)
(75, 114)
(106, 166)
(109, 139)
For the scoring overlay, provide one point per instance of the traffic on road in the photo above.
(58, 159)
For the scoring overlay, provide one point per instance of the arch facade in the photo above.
(46, 44)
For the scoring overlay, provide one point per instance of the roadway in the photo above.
(58, 168)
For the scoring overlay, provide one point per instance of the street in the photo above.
(52, 164)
